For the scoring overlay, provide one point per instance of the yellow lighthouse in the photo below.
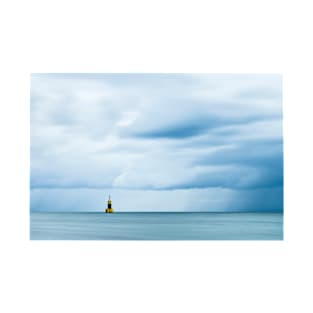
(109, 209)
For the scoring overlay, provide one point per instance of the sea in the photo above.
(156, 226)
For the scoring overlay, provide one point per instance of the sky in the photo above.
(156, 142)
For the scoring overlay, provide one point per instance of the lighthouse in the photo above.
(109, 209)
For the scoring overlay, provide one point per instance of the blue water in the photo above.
(156, 226)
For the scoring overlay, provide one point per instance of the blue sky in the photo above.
(156, 142)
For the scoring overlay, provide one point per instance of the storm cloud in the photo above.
(195, 142)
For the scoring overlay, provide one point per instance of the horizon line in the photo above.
(238, 211)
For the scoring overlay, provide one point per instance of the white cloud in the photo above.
(147, 132)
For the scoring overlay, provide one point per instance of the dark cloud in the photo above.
(175, 131)
(252, 153)
(260, 199)
(198, 123)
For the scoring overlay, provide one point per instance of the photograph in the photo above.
(156, 156)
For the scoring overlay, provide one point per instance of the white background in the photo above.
(155, 36)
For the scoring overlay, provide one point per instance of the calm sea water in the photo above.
(156, 226)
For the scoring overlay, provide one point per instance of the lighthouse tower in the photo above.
(109, 209)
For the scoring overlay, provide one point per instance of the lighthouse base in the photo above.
(109, 210)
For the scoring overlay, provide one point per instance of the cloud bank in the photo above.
(159, 142)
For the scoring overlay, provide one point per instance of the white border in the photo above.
(155, 36)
